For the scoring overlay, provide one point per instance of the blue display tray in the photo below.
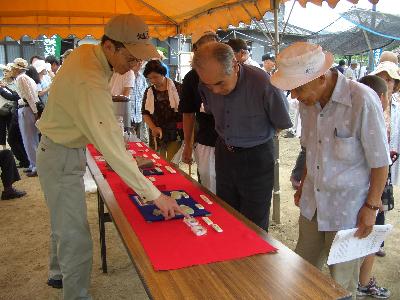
(146, 209)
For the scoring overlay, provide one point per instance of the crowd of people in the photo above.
(225, 115)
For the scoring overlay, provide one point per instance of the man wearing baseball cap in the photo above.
(347, 156)
(79, 111)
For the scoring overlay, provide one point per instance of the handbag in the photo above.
(40, 107)
(387, 195)
(6, 109)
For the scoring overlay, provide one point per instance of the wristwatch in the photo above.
(373, 207)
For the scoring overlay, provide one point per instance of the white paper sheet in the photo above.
(346, 247)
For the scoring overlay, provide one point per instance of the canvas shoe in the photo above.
(372, 290)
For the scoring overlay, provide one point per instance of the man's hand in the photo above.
(297, 196)
(187, 154)
(157, 132)
(365, 222)
(168, 207)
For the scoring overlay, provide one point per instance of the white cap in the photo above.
(299, 64)
(133, 33)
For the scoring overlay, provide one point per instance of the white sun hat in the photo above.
(41, 65)
(389, 67)
(299, 64)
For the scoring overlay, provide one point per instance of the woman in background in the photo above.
(160, 110)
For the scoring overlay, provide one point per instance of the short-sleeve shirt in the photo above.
(344, 140)
(120, 81)
(251, 113)
(27, 90)
(191, 102)
(44, 84)
(137, 97)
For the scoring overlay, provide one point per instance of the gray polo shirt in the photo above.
(251, 113)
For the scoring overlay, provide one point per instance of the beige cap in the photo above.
(389, 56)
(389, 67)
(133, 33)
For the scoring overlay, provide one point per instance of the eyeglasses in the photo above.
(130, 59)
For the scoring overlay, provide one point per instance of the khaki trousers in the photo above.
(61, 171)
(314, 246)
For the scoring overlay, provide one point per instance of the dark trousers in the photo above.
(9, 171)
(298, 169)
(5, 122)
(245, 180)
(15, 141)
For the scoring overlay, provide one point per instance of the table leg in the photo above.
(102, 220)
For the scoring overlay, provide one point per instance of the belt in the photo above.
(234, 149)
(22, 105)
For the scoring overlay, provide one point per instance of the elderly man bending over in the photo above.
(347, 156)
(248, 111)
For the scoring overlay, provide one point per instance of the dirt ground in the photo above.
(24, 233)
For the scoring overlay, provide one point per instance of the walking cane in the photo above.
(155, 143)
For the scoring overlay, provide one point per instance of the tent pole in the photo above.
(276, 206)
(371, 58)
(178, 77)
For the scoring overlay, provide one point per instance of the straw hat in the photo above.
(389, 67)
(299, 64)
(19, 63)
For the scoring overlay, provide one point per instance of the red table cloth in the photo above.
(171, 244)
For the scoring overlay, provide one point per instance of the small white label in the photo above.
(158, 169)
(205, 199)
(216, 227)
(151, 178)
(145, 155)
(132, 151)
(139, 145)
(155, 156)
(170, 169)
(207, 220)
(199, 206)
(191, 221)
